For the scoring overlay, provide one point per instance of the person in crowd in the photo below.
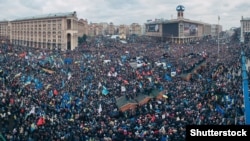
(57, 95)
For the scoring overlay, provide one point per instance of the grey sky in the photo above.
(131, 11)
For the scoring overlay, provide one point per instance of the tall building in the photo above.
(59, 30)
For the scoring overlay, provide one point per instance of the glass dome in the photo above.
(180, 8)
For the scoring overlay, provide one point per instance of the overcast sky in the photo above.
(131, 11)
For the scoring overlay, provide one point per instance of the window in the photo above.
(69, 24)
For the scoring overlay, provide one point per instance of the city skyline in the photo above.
(131, 11)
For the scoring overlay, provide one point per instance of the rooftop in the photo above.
(4, 21)
(247, 18)
(66, 14)
(174, 21)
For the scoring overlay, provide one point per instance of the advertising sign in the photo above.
(190, 29)
(153, 28)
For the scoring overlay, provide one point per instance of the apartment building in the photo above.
(95, 29)
(111, 29)
(135, 28)
(123, 31)
(59, 30)
(82, 27)
(104, 28)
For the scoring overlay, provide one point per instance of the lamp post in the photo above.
(218, 36)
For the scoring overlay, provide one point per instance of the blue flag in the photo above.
(38, 84)
(219, 109)
(104, 90)
(167, 77)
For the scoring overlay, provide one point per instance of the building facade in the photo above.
(215, 29)
(135, 28)
(245, 30)
(4, 31)
(123, 31)
(95, 29)
(52, 31)
(111, 29)
(179, 30)
(82, 27)
(104, 28)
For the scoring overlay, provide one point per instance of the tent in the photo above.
(124, 42)
(114, 36)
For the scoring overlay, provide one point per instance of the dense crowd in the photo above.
(71, 95)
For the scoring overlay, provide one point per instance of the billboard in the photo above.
(152, 28)
(170, 30)
(190, 29)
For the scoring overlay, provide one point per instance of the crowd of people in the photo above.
(71, 95)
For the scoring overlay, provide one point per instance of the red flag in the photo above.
(41, 121)
(55, 92)
(125, 81)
